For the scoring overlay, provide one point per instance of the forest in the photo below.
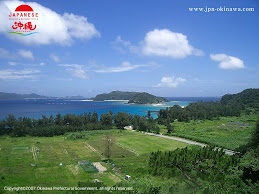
(230, 105)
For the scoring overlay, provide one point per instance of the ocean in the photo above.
(35, 108)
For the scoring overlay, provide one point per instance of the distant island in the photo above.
(115, 95)
(132, 97)
(13, 96)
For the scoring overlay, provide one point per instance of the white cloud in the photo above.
(25, 54)
(54, 57)
(25, 64)
(170, 81)
(125, 43)
(12, 63)
(121, 45)
(6, 54)
(125, 66)
(160, 42)
(228, 62)
(166, 43)
(76, 71)
(52, 27)
(12, 74)
(198, 52)
(83, 29)
(20, 53)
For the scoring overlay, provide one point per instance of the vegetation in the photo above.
(145, 98)
(254, 141)
(245, 99)
(31, 150)
(108, 142)
(230, 105)
(200, 166)
(13, 96)
(207, 170)
(130, 154)
(202, 170)
(226, 132)
(77, 135)
(133, 97)
(88, 166)
(51, 126)
(115, 95)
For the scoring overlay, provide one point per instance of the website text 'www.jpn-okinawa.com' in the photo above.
(221, 9)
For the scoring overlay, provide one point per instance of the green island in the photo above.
(14, 96)
(132, 97)
(145, 98)
(114, 95)
(89, 150)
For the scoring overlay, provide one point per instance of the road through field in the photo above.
(228, 152)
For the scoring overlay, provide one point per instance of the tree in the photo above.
(170, 128)
(156, 129)
(108, 142)
(94, 118)
(135, 121)
(162, 115)
(58, 119)
(51, 120)
(121, 120)
(10, 121)
(106, 119)
(143, 124)
(2, 128)
(254, 141)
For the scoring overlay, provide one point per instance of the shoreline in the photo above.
(116, 100)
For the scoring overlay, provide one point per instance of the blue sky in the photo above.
(161, 47)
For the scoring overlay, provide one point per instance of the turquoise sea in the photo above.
(35, 108)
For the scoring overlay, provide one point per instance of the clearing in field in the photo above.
(100, 167)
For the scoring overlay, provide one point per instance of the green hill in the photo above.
(244, 99)
(133, 97)
(115, 95)
(145, 98)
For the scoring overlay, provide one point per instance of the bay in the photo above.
(35, 108)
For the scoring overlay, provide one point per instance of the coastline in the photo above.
(157, 104)
(116, 100)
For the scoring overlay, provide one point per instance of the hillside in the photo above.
(133, 97)
(13, 96)
(246, 98)
(145, 98)
(115, 95)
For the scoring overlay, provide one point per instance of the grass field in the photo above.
(225, 132)
(130, 155)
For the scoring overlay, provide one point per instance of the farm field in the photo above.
(36, 161)
(226, 132)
